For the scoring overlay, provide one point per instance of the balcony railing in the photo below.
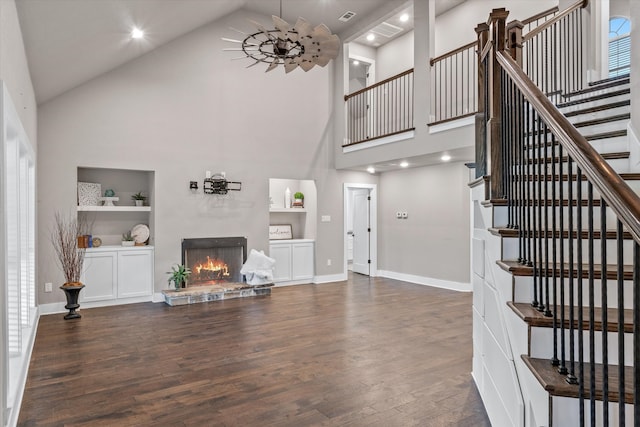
(380, 110)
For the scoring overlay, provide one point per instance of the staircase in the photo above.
(555, 253)
(601, 113)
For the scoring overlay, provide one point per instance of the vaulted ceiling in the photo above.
(69, 42)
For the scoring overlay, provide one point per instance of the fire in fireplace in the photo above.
(214, 260)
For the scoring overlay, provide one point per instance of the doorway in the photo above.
(360, 228)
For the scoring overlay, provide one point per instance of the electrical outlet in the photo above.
(329, 261)
(325, 218)
(405, 215)
(48, 287)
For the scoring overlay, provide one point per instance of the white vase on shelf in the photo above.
(287, 198)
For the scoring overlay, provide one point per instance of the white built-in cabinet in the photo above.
(294, 261)
(295, 258)
(118, 275)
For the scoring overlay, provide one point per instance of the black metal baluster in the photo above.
(555, 237)
(580, 293)
(591, 284)
(528, 199)
(520, 190)
(620, 292)
(547, 206)
(604, 304)
(571, 377)
(535, 201)
(563, 281)
(541, 201)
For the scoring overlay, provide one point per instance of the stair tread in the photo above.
(609, 79)
(597, 108)
(600, 86)
(593, 137)
(565, 202)
(514, 233)
(517, 269)
(574, 177)
(534, 317)
(556, 385)
(595, 98)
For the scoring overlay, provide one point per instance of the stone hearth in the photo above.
(221, 291)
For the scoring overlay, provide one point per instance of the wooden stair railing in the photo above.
(532, 147)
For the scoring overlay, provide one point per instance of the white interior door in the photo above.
(361, 231)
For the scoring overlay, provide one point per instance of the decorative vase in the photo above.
(71, 292)
(287, 198)
(128, 243)
(139, 202)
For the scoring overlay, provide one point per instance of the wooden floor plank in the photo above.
(368, 351)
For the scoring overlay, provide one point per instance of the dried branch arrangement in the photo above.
(64, 239)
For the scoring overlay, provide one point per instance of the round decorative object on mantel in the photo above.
(97, 242)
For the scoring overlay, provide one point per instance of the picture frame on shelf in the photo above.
(280, 232)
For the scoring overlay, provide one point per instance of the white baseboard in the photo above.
(634, 147)
(428, 281)
(157, 297)
(328, 278)
(58, 307)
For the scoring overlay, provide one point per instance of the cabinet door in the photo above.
(99, 277)
(302, 261)
(135, 273)
(282, 255)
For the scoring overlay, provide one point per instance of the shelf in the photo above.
(110, 248)
(114, 209)
(292, 210)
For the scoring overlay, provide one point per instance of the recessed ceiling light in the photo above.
(445, 158)
(371, 37)
(404, 164)
(137, 33)
(404, 17)
(371, 169)
(356, 62)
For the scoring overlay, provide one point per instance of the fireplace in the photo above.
(214, 260)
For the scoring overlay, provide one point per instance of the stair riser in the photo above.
(599, 114)
(619, 165)
(523, 291)
(511, 250)
(566, 410)
(611, 217)
(542, 337)
(591, 94)
(604, 145)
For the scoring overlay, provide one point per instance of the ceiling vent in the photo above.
(346, 17)
(386, 30)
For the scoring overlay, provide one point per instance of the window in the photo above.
(619, 46)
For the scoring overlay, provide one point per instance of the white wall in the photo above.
(433, 242)
(620, 8)
(183, 109)
(455, 27)
(395, 57)
(14, 70)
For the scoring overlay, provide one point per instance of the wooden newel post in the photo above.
(482, 31)
(497, 34)
(514, 40)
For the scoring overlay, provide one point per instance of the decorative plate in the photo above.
(140, 233)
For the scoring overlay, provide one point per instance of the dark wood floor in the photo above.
(367, 352)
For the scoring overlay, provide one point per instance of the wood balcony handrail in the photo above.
(380, 83)
(540, 28)
(452, 52)
(540, 15)
(485, 50)
(620, 197)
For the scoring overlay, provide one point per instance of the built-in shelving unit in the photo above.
(295, 258)
(110, 222)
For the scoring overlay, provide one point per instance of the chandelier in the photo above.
(301, 46)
